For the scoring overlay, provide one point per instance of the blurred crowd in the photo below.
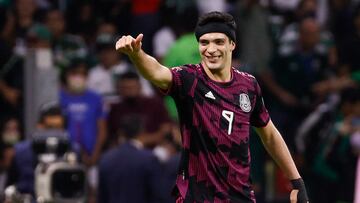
(304, 53)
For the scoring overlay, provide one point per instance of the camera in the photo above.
(59, 177)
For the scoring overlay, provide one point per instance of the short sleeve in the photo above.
(183, 78)
(260, 116)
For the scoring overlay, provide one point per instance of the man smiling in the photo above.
(217, 104)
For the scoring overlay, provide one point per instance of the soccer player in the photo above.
(217, 104)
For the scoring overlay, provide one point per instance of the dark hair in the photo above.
(216, 22)
(105, 41)
(74, 64)
(128, 75)
(49, 109)
(5, 119)
(131, 125)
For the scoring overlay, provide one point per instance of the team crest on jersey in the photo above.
(245, 104)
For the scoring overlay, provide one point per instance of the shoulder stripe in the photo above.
(243, 73)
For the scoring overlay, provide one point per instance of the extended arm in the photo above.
(147, 65)
(276, 147)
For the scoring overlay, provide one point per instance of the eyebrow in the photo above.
(213, 40)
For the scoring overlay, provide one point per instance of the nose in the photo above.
(211, 48)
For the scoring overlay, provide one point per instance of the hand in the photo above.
(86, 159)
(128, 45)
(298, 194)
(294, 196)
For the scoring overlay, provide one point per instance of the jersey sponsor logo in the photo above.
(210, 95)
(245, 104)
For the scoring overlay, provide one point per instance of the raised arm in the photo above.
(147, 65)
(276, 147)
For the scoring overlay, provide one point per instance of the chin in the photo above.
(213, 66)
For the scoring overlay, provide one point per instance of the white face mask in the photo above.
(11, 137)
(77, 83)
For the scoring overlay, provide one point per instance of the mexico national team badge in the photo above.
(245, 104)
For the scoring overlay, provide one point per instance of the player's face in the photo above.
(216, 50)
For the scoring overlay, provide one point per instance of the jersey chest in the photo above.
(223, 110)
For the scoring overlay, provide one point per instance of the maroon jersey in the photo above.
(215, 120)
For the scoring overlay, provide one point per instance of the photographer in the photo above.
(21, 173)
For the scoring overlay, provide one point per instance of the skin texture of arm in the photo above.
(100, 141)
(277, 148)
(147, 65)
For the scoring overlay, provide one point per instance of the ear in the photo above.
(232, 45)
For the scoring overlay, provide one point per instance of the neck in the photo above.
(219, 75)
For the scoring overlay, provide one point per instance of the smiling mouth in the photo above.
(212, 58)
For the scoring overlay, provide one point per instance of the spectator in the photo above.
(12, 74)
(25, 11)
(84, 112)
(81, 20)
(186, 41)
(176, 54)
(130, 173)
(64, 46)
(115, 12)
(165, 36)
(206, 6)
(296, 72)
(156, 121)
(145, 19)
(255, 43)
(106, 28)
(102, 76)
(168, 152)
(10, 131)
(329, 159)
(23, 165)
(9, 135)
(6, 155)
(326, 45)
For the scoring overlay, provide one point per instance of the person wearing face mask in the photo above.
(10, 131)
(21, 172)
(85, 115)
(156, 120)
(10, 134)
(84, 112)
